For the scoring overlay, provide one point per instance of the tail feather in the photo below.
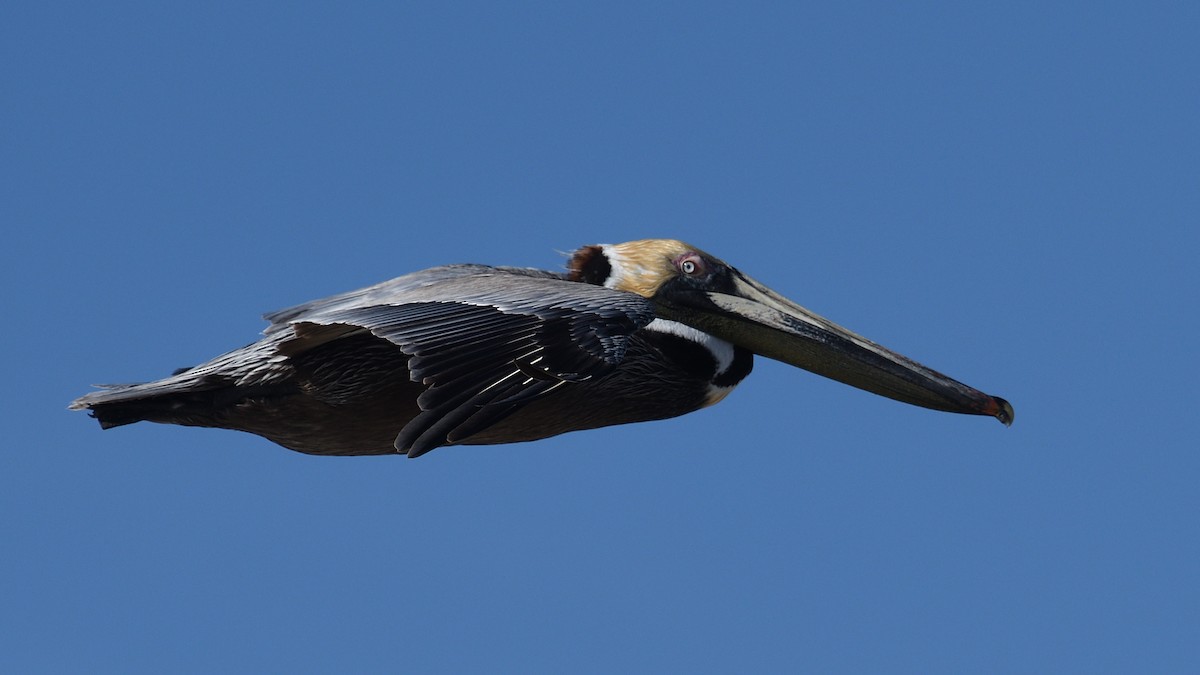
(118, 405)
(198, 396)
(119, 413)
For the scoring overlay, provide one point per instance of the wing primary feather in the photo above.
(494, 411)
(436, 427)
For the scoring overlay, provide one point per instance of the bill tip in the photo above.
(1003, 411)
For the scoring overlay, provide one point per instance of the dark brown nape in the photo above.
(590, 266)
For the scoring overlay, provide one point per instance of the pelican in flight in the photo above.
(474, 355)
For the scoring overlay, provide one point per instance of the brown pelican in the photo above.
(471, 354)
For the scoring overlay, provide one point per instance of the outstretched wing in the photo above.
(484, 341)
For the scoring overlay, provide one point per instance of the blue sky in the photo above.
(1006, 192)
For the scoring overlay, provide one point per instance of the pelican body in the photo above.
(473, 354)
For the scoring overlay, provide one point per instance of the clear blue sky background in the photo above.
(1005, 191)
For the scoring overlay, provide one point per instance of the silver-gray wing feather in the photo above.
(483, 340)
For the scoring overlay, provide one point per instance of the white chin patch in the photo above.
(721, 350)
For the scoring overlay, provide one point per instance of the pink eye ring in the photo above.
(691, 264)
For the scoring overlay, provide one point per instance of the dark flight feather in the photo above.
(482, 354)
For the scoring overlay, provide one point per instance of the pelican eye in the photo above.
(691, 265)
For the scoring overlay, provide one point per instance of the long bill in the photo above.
(759, 319)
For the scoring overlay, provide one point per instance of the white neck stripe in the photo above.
(721, 350)
(619, 266)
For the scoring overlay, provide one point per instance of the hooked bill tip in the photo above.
(1002, 410)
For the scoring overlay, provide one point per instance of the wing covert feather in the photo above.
(483, 340)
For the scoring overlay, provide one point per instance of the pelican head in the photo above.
(695, 288)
